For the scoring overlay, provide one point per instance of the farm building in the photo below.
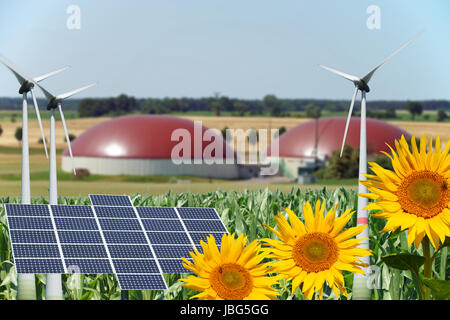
(297, 146)
(145, 145)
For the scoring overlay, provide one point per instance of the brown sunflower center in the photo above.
(424, 194)
(231, 281)
(314, 252)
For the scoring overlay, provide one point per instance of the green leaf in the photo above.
(404, 261)
(439, 288)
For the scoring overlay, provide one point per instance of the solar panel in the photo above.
(28, 210)
(141, 282)
(110, 200)
(138, 244)
(88, 266)
(39, 265)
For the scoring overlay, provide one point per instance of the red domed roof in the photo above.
(138, 137)
(300, 140)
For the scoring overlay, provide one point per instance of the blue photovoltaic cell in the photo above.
(30, 223)
(120, 224)
(135, 266)
(80, 237)
(84, 251)
(130, 251)
(88, 266)
(110, 200)
(168, 251)
(162, 225)
(76, 224)
(204, 225)
(36, 251)
(159, 237)
(32, 236)
(197, 236)
(157, 212)
(27, 210)
(72, 211)
(39, 266)
(124, 237)
(173, 266)
(115, 212)
(198, 213)
(141, 282)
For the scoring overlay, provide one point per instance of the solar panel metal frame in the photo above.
(168, 259)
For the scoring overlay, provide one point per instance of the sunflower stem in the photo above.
(427, 268)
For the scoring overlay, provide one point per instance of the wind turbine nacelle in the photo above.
(53, 104)
(362, 85)
(26, 87)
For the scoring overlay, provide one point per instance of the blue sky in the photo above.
(242, 49)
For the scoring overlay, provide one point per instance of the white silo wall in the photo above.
(117, 166)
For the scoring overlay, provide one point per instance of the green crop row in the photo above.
(242, 213)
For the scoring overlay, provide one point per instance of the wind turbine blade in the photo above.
(40, 122)
(21, 77)
(71, 93)
(67, 138)
(46, 93)
(368, 76)
(48, 75)
(342, 74)
(350, 110)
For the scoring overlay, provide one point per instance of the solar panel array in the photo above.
(138, 244)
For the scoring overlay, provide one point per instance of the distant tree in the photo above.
(1, 130)
(313, 111)
(271, 103)
(18, 134)
(215, 106)
(241, 108)
(14, 118)
(441, 115)
(281, 130)
(415, 108)
(390, 113)
(346, 166)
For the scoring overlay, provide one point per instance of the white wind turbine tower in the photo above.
(361, 290)
(26, 282)
(53, 286)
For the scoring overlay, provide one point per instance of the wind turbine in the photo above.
(26, 282)
(361, 288)
(54, 286)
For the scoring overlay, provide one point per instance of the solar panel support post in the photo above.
(26, 286)
(53, 289)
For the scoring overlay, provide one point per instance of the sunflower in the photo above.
(316, 251)
(234, 273)
(415, 196)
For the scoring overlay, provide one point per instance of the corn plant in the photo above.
(242, 213)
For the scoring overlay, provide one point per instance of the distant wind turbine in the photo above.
(54, 286)
(361, 289)
(26, 282)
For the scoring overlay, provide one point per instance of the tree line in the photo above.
(269, 104)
